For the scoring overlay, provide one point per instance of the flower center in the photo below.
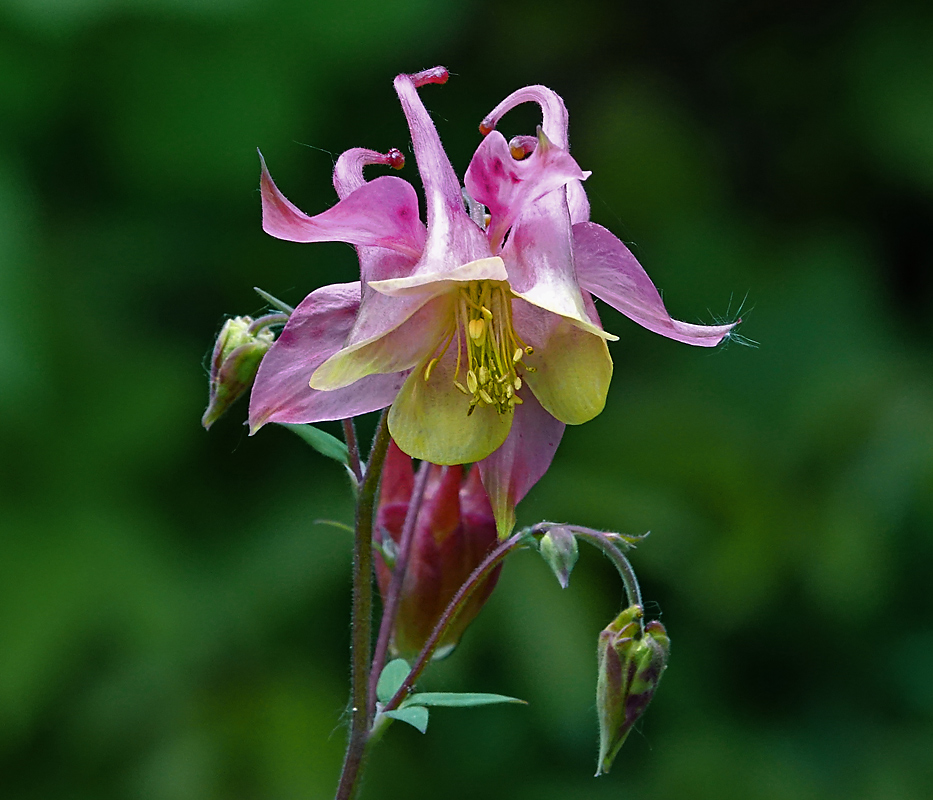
(494, 351)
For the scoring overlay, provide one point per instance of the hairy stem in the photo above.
(267, 320)
(353, 448)
(361, 625)
(611, 550)
(394, 594)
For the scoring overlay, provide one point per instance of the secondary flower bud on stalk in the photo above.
(455, 531)
(558, 547)
(234, 364)
(631, 661)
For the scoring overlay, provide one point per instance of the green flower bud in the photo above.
(558, 547)
(234, 364)
(631, 661)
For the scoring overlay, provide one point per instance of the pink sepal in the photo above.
(507, 186)
(607, 268)
(510, 472)
(316, 330)
(381, 213)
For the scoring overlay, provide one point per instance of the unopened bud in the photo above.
(234, 364)
(558, 547)
(631, 661)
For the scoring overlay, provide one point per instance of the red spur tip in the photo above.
(433, 75)
(395, 158)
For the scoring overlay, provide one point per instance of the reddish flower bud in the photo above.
(455, 531)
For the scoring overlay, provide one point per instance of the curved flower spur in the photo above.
(479, 330)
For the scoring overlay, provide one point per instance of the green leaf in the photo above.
(416, 716)
(391, 678)
(324, 443)
(335, 524)
(458, 699)
(273, 301)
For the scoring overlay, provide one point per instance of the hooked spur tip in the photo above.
(487, 126)
(433, 75)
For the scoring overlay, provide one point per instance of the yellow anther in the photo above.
(490, 349)
(529, 350)
(429, 368)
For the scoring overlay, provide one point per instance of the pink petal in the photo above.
(539, 260)
(376, 263)
(381, 213)
(453, 238)
(510, 472)
(578, 202)
(554, 124)
(553, 112)
(507, 186)
(315, 331)
(607, 268)
(348, 171)
(521, 146)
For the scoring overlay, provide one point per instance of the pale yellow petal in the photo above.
(398, 350)
(567, 306)
(492, 269)
(572, 373)
(429, 419)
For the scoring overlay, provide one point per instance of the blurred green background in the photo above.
(173, 625)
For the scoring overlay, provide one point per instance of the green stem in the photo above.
(353, 450)
(603, 542)
(266, 321)
(361, 625)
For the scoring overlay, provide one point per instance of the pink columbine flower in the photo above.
(480, 329)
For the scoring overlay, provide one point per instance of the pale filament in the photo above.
(494, 351)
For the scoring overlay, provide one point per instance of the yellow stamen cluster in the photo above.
(494, 351)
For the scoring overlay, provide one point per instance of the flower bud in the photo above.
(455, 531)
(234, 364)
(631, 661)
(558, 547)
